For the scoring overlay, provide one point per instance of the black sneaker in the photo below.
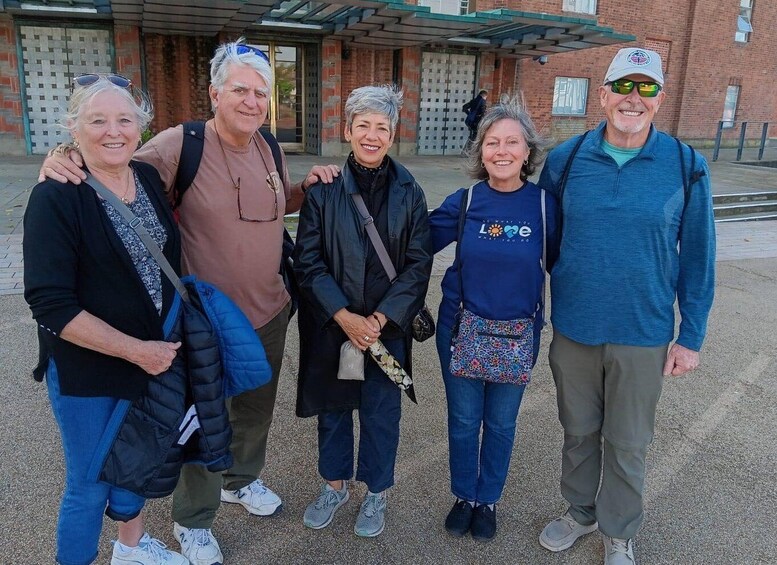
(483, 522)
(459, 518)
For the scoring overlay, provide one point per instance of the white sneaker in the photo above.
(149, 551)
(618, 551)
(562, 532)
(255, 497)
(198, 545)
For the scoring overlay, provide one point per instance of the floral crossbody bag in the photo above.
(499, 351)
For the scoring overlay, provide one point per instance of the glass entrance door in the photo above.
(286, 113)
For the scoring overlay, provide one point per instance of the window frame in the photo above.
(730, 111)
(573, 6)
(568, 109)
(742, 35)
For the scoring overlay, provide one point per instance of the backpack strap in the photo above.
(189, 161)
(565, 174)
(276, 151)
(688, 180)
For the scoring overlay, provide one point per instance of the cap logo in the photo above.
(638, 58)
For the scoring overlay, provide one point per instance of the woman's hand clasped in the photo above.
(360, 330)
(155, 357)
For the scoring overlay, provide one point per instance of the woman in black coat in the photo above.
(347, 295)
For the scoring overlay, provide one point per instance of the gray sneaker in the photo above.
(618, 551)
(372, 516)
(562, 532)
(321, 511)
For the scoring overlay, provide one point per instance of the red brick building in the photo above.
(717, 56)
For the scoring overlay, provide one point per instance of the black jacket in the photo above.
(74, 261)
(475, 109)
(329, 262)
(143, 455)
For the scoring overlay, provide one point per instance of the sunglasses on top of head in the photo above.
(89, 79)
(242, 49)
(647, 89)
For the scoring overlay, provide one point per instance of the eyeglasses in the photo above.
(274, 184)
(644, 89)
(91, 78)
(242, 49)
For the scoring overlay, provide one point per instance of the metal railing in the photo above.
(724, 124)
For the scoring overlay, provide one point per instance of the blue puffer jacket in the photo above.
(182, 417)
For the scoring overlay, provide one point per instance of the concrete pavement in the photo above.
(711, 487)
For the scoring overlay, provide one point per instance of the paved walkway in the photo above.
(439, 176)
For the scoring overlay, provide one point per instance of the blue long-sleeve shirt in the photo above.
(628, 249)
(500, 255)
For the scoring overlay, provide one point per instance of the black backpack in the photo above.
(189, 162)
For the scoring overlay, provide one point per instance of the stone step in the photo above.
(748, 209)
(744, 197)
(747, 218)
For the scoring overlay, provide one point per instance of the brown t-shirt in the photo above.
(241, 258)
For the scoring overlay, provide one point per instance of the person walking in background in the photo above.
(501, 232)
(231, 221)
(638, 233)
(474, 109)
(347, 295)
(100, 302)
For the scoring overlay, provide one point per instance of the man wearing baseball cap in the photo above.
(638, 233)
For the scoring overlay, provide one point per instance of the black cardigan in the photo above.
(74, 261)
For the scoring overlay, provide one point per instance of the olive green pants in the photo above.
(607, 397)
(198, 493)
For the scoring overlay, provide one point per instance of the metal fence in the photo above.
(724, 124)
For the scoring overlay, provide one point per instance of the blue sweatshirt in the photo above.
(628, 250)
(501, 252)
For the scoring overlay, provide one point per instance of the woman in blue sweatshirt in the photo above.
(500, 258)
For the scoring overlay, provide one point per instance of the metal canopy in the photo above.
(375, 24)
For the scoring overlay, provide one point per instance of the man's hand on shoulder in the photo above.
(323, 173)
(680, 360)
(63, 164)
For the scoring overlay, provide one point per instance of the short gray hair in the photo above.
(227, 54)
(508, 108)
(386, 100)
(83, 95)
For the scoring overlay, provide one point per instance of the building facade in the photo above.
(717, 58)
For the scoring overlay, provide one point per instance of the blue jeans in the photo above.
(380, 409)
(478, 466)
(82, 421)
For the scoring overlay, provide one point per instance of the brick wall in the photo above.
(717, 61)
(126, 44)
(331, 97)
(177, 75)
(410, 80)
(11, 122)
(701, 58)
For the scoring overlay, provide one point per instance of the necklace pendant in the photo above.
(124, 200)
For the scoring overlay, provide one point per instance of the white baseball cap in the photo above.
(635, 61)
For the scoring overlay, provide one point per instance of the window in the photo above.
(580, 6)
(442, 6)
(730, 106)
(744, 28)
(570, 96)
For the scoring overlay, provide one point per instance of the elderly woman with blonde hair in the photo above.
(348, 296)
(100, 302)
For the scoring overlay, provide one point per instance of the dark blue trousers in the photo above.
(379, 414)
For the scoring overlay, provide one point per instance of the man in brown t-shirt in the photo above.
(231, 221)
